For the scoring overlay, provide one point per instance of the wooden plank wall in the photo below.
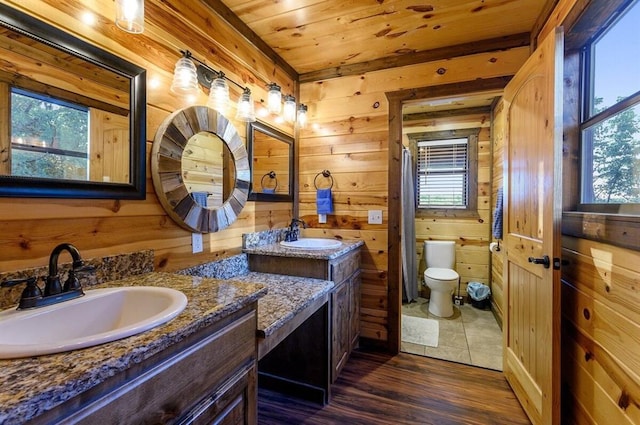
(30, 228)
(600, 310)
(470, 234)
(348, 135)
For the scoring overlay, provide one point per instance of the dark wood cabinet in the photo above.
(344, 271)
(209, 378)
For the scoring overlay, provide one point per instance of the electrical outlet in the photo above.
(375, 216)
(196, 242)
(322, 218)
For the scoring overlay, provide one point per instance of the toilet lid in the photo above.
(441, 274)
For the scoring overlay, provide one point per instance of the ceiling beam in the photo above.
(232, 19)
(482, 46)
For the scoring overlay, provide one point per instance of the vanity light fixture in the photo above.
(130, 15)
(274, 98)
(246, 111)
(289, 110)
(185, 76)
(219, 94)
(302, 115)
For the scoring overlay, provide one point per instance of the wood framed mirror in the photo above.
(271, 159)
(73, 116)
(200, 169)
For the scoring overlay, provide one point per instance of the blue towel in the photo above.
(497, 216)
(200, 198)
(323, 201)
(268, 190)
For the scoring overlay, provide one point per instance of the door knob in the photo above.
(545, 261)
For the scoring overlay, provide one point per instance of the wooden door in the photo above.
(533, 203)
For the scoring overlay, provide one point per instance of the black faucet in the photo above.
(291, 235)
(54, 292)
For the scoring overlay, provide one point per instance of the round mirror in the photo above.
(200, 169)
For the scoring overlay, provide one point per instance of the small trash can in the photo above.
(480, 295)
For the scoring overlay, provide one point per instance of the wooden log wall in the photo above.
(348, 135)
(30, 228)
(471, 234)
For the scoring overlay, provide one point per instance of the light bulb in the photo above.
(302, 115)
(185, 77)
(130, 15)
(289, 110)
(219, 94)
(274, 98)
(246, 110)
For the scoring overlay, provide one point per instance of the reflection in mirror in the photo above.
(208, 169)
(74, 115)
(200, 169)
(271, 153)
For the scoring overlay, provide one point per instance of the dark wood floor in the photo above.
(376, 388)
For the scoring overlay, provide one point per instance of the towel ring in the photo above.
(326, 174)
(271, 175)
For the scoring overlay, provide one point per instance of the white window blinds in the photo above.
(442, 173)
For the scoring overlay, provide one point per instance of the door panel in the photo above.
(533, 195)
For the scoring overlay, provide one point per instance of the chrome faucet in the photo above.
(293, 232)
(54, 292)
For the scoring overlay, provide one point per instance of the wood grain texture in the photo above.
(379, 389)
(31, 227)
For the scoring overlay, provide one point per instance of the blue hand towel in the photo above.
(497, 216)
(323, 201)
(268, 190)
(200, 198)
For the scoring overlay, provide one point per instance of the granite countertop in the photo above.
(33, 385)
(286, 297)
(278, 250)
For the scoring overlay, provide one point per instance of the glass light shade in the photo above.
(130, 15)
(302, 115)
(274, 98)
(185, 78)
(246, 111)
(289, 109)
(219, 95)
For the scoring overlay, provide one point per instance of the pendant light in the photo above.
(246, 111)
(130, 15)
(185, 77)
(289, 109)
(219, 94)
(274, 98)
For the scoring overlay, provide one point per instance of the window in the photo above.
(610, 117)
(446, 172)
(49, 137)
(442, 173)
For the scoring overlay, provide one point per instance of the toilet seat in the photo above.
(437, 273)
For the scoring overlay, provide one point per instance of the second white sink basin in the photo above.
(101, 315)
(312, 243)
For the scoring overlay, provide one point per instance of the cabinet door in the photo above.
(354, 313)
(340, 329)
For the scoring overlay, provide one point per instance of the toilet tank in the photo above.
(440, 254)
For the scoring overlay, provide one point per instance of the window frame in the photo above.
(613, 226)
(472, 135)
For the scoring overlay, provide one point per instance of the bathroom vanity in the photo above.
(198, 368)
(340, 265)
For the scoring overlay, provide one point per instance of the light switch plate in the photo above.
(196, 242)
(375, 216)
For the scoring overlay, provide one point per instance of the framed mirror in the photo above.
(72, 116)
(200, 169)
(271, 159)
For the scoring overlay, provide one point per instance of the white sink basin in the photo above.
(312, 243)
(101, 315)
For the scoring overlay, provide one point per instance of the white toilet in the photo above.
(440, 276)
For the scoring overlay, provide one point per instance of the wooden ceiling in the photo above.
(320, 38)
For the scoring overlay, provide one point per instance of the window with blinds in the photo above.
(442, 173)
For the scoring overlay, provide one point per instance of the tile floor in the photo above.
(471, 336)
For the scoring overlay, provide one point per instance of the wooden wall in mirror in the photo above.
(271, 158)
(200, 169)
(72, 116)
